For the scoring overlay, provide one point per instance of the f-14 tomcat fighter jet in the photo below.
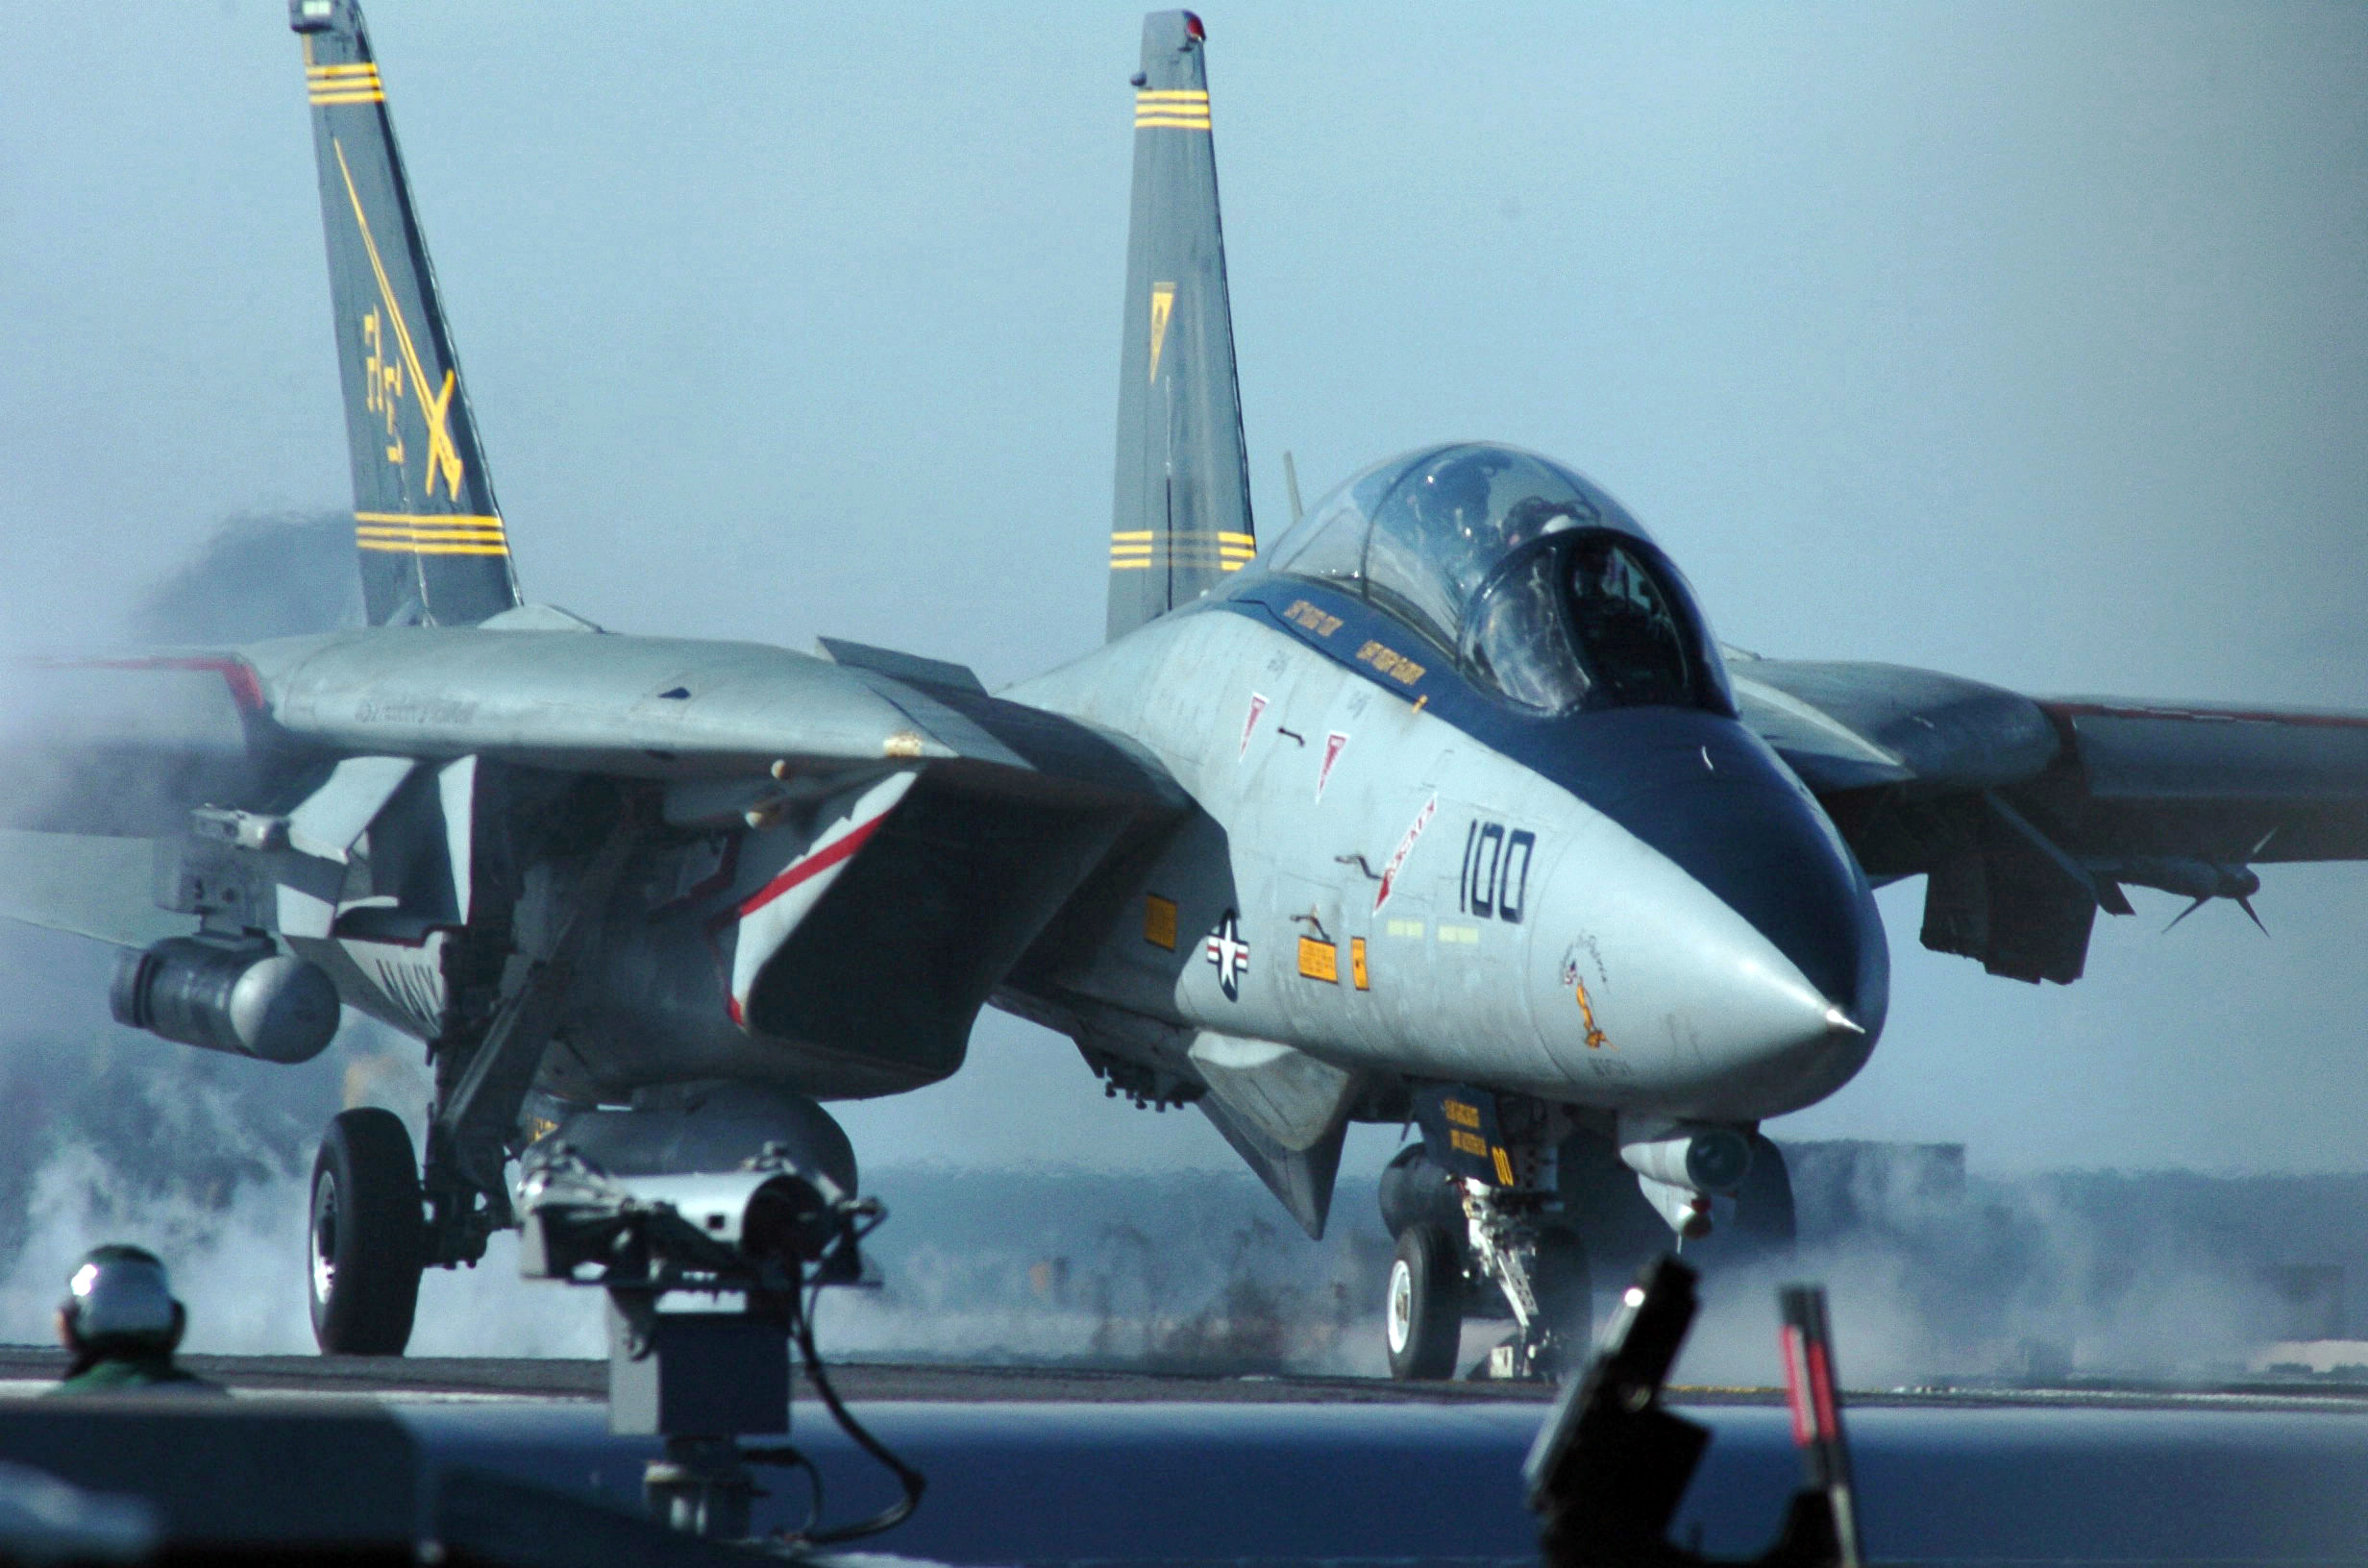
(1444, 809)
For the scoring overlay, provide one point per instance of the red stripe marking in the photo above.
(246, 686)
(1822, 1384)
(814, 865)
(1796, 1396)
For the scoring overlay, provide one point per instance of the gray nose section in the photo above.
(1710, 796)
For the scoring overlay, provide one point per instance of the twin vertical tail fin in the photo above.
(431, 538)
(1181, 520)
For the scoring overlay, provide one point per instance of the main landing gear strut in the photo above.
(379, 1221)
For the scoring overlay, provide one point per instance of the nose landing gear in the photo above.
(1483, 1190)
(1467, 1248)
(1503, 1186)
(1541, 1268)
(1423, 1315)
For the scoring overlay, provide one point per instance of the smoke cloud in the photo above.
(1179, 1271)
(1937, 1276)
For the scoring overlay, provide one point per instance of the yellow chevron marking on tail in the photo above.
(442, 456)
(1162, 306)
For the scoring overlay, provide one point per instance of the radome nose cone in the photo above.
(1731, 820)
(1721, 1024)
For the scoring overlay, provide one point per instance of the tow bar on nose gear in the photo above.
(1611, 1465)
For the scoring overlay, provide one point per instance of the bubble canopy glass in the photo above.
(1542, 587)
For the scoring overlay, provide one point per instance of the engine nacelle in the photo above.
(1690, 1155)
(244, 998)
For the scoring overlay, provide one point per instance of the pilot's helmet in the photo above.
(1534, 517)
(121, 1296)
(1455, 494)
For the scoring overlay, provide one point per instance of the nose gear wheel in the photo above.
(1424, 1319)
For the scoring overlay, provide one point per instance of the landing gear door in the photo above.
(786, 871)
(1461, 1133)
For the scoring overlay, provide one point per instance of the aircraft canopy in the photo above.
(1544, 587)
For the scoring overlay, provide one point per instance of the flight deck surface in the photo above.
(1070, 1465)
(533, 1379)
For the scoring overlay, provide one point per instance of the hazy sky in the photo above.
(2029, 342)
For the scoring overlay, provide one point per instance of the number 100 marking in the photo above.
(1496, 871)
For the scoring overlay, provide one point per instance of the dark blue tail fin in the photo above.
(431, 543)
(1181, 519)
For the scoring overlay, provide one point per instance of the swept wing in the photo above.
(2029, 815)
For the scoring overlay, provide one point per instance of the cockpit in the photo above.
(1539, 585)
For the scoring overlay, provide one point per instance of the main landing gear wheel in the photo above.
(1423, 1323)
(368, 1235)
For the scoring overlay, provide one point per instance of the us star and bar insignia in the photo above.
(1229, 953)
